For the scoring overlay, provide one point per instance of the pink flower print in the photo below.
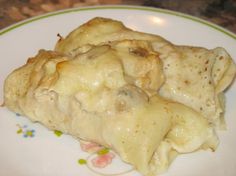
(102, 161)
(90, 147)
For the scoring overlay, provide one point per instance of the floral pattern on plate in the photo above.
(57, 133)
(25, 131)
(103, 161)
(99, 160)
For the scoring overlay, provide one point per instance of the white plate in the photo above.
(45, 154)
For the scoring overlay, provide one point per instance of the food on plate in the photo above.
(187, 69)
(138, 94)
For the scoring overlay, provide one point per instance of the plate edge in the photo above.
(120, 7)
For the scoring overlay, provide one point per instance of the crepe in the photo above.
(187, 69)
(107, 84)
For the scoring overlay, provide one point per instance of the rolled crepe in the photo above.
(195, 76)
(107, 94)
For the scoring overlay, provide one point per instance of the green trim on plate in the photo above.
(169, 12)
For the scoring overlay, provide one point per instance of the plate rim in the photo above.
(119, 7)
(212, 26)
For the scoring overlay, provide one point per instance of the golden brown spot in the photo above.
(30, 60)
(187, 82)
(139, 51)
(207, 62)
(206, 69)
(221, 57)
(60, 65)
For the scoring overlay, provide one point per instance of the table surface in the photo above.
(221, 12)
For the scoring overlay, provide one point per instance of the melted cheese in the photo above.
(187, 69)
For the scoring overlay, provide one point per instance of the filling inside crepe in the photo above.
(136, 93)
